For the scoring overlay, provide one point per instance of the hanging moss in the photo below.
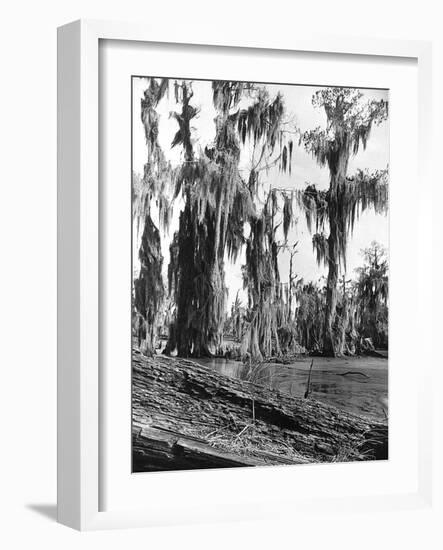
(148, 286)
(269, 304)
(288, 213)
(321, 248)
(218, 203)
(314, 203)
(196, 265)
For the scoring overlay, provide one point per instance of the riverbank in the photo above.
(188, 416)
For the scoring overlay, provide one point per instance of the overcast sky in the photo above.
(297, 100)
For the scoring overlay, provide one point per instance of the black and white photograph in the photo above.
(222, 269)
(260, 273)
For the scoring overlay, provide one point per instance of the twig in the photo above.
(243, 430)
(308, 385)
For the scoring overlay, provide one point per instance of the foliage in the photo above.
(235, 322)
(311, 305)
(373, 293)
(361, 310)
(349, 124)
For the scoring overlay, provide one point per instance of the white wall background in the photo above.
(28, 270)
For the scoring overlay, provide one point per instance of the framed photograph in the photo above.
(236, 218)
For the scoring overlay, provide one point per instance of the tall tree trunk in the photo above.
(254, 347)
(182, 331)
(341, 345)
(331, 297)
(337, 226)
(148, 287)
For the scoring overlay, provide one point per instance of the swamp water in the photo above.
(357, 384)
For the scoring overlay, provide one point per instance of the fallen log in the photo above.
(161, 449)
(186, 416)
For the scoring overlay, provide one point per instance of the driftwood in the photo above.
(352, 372)
(187, 416)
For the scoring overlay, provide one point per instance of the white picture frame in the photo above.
(79, 366)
